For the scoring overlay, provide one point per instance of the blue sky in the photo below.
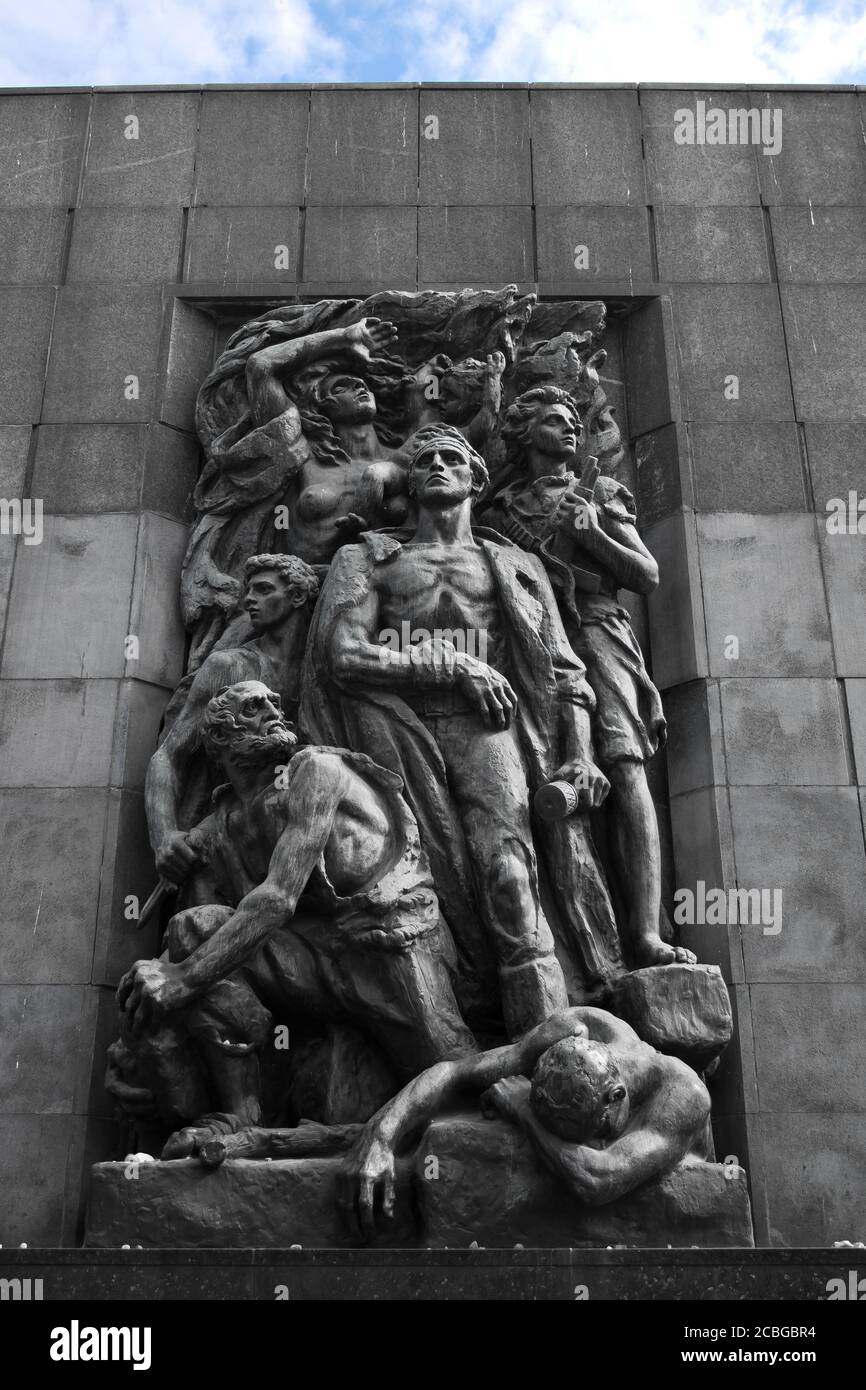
(107, 42)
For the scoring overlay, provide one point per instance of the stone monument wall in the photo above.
(138, 227)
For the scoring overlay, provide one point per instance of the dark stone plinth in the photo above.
(440, 1275)
(472, 1180)
(264, 1203)
(491, 1188)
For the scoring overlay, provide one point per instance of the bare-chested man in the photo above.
(472, 734)
(604, 1111)
(316, 904)
(279, 593)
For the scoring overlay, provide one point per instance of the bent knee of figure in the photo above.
(232, 1017)
(189, 928)
(522, 931)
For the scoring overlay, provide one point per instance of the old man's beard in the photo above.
(256, 750)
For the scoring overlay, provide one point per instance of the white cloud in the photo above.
(124, 42)
(631, 41)
(90, 42)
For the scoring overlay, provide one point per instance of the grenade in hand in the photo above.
(556, 801)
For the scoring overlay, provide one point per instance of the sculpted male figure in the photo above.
(604, 1111)
(279, 592)
(585, 532)
(472, 735)
(315, 903)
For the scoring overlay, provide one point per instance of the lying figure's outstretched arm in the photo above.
(369, 1171)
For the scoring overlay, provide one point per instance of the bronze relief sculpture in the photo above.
(434, 863)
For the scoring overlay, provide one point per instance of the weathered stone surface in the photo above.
(482, 151)
(52, 883)
(69, 606)
(231, 169)
(812, 1192)
(836, 454)
(25, 329)
(31, 245)
(228, 245)
(721, 244)
(127, 872)
(817, 243)
(102, 335)
(855, 695)
(56, 733)
(697, 175)
(616, 239)
(36, 1155)
(784, 629)
(124, 245)
(844, 560)
(190, 349)
(45, 1048)
(703, 851)
(154, 169)
(650, 375)
(783, 732)
(695, 751)
(41, 142)
(475, 244)
(754, 467)
(363, 147)
(693, 1205)
(361, 245)
(805, 842)
(405, 1276)
(825, 327)
(140, 708)
(725, 331)
(586, 147)
(806, 1051)
(664, 479)
(675, 614)
(113, 468)
(88, 468)
(155, 612)
(243, 1203)
(822, 157)
(172, 462)
(681, 1010)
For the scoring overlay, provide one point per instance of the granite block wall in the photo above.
(135, 226)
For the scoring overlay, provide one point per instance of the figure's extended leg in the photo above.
(488, 778)
(637, 859)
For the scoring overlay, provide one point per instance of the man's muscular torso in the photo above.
(446, 587)
(360, 848)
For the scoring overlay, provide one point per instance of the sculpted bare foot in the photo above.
(651, 950)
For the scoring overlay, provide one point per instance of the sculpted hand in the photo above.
(578, 516)
(370, 337)
(588, 781)
(149, 989)
(487, 690)
(350, 526)
(175, 857)
(508, 1098)
(367, 1176)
